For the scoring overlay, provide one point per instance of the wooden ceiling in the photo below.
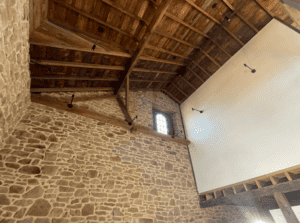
(172, 46)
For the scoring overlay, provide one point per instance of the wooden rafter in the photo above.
(188, 43)
(92, 17)
(177, 87)
(189, 83)
(112, 4)
(171, 96)
(212, 59)
(74, 89)
(161, 60)
(240, 15)
(186, 24)
(166, 51)
(87, 50)
(195, 74)
(152, 71)
(95, 66)
(63, 77)
(264, 8)
(109, 53)
(73, 64)
(124, 110)
(201, 68)
(214, 20)
(162, 8)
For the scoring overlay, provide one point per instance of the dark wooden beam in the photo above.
(74, 64)
(71, 89)
(161, 60)
(186, 81)
(175, 85)
(159, 14)
(201, 68)
(86, 50)
(195, 74)
(264, 8)
(62, 77)
(166, 51)
(171, 96)
(124, 110)
(152, 71)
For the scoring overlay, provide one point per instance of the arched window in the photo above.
(161, 123)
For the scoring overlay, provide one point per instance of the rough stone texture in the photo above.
(14, 66)
(97, 172)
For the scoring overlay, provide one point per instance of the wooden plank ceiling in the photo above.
(192, 40)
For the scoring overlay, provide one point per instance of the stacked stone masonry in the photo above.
(58, 167)
(14, 63)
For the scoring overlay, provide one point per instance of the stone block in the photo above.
(42, 220)
(81, 193)
(23, 202)
(56, 212)
(88, 209)
(30, 170)
(40, 207)
(15, 189)
(66, 189)
(92, 173)
(34, 193)
(49, 170)
(20, 213)
(12, 165)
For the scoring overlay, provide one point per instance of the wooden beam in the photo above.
(54, 103)
(185, 24)
(144, 80)
(62, 77)
(73, 64)
(186, 81)
(264, 8)
(212, 59)
(92, 17)
(190, 44)
(86, 50)
(234, 190)
(258, 184)
(112, 4)
(166, 51)
(71, 89)
(124, 110)
(93, 98)
(175, 85)
(161, 60)
(152, 71)
(201, 68)
(214, 20)
(246, 187)
(224, 193)
(195, 74)
(159, 14)
(127, 93)
(240, 15)
(145, 89)
(171, 96)
(286, 208)
(288, 176)
(274, 182)
(177, 39)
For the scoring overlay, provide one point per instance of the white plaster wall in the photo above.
(251, 121)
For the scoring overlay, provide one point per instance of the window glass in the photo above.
(161, 124)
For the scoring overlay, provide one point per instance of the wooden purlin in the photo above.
(182, 77)
(195, 74)
(166, 51)
(214, 20)
(201, 68)
(171, 96)
(159, 14)
(178, 88)
(240, 15)
(264, 8)
(71, 89)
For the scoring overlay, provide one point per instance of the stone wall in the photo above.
(58, 167)
(14, 63)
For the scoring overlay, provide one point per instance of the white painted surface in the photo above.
(278, 216)
(251, 121)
